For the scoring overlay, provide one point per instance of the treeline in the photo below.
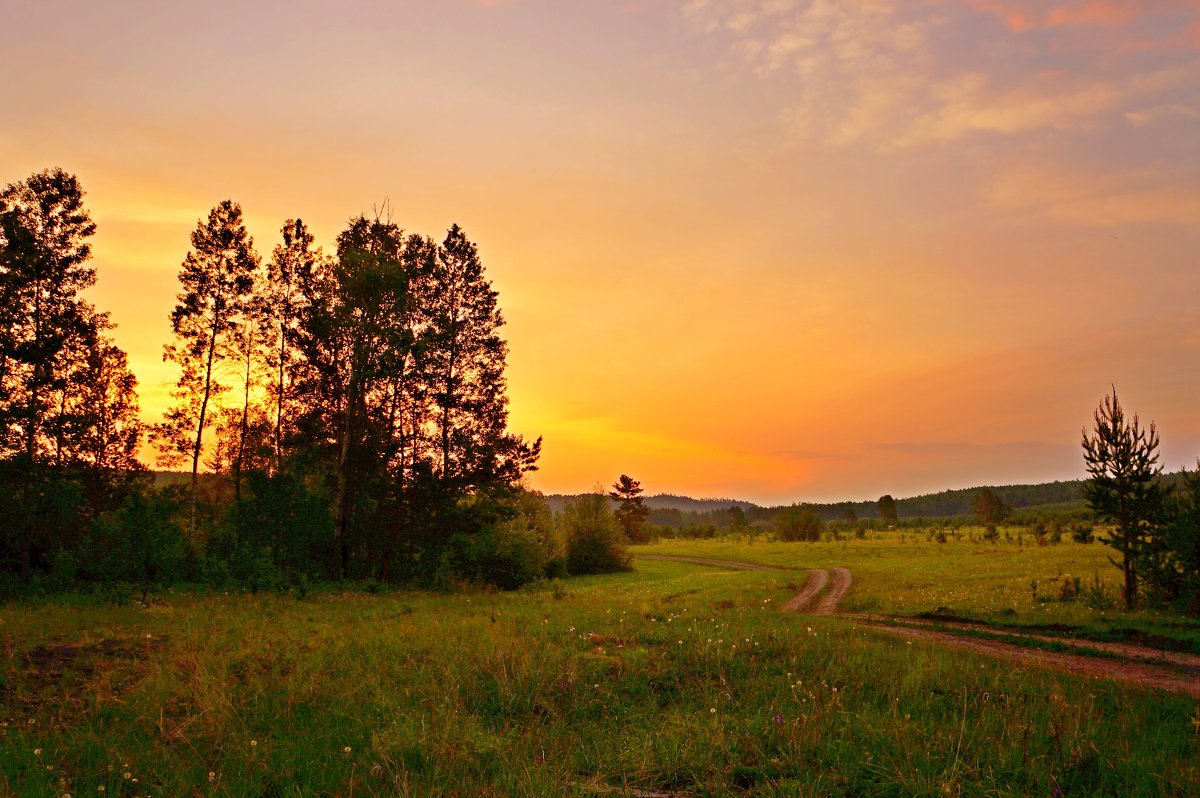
(349, 407)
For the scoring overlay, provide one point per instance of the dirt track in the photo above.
(1174, 672)
(812, 586)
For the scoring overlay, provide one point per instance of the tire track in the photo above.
(841, 586)
(1150, 668)
(817, 579)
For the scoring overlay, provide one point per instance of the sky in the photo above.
(775, 250)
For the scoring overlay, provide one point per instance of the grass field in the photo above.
(910, 575)
(675, 677)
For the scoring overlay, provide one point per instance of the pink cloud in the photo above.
(1024, 15)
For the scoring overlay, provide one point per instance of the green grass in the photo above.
(978, 581)
(673, 677)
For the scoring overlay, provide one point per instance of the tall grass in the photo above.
(673, 677)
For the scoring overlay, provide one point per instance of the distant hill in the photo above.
(959, 501)
(930, 505)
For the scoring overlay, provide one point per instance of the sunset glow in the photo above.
(776, 250)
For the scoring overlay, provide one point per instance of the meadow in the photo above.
(672, 679)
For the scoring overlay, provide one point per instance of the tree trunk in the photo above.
(341, 498)
(1130, 582)
(245, 426)
(279, 400)
(212, 348)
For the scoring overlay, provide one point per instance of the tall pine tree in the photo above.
(217, 278)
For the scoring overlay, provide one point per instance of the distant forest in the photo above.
(674, 511)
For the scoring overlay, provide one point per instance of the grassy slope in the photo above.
(691, 681)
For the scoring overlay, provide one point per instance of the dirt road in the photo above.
(1146, 667)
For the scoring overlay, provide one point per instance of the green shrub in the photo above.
(507, 541)
(595, 544)
(141, 543)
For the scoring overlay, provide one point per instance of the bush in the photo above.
(1083, 533)
(514, 541)
(141, 543)
(798, 522)
(273, 537)
(595, 544)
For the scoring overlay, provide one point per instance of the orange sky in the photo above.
(768, 249)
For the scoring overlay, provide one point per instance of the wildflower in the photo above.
(712, 710)
(778, 720)
(212, 776)
(127, 775)
(37, 752)
(253, 743)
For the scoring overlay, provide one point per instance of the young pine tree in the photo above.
(1122, 458)
(631, 512)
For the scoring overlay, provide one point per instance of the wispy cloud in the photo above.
(1098, 200)
(894, 74)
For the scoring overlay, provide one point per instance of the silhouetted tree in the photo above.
(357, 341)
(798, 522)
(631, 511)
(990, 509)
(463, 358)
(217, 278)
(1122, 458)
(281, 308)
(104, 431)
(45, 330)
(887, 509)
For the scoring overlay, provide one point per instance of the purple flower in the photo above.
(778, 720)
